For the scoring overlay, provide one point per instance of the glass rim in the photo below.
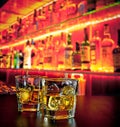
(59, 79)
(24, 76)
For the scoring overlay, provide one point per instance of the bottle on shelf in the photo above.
(82, 7)
(41, 49)
(76, 57)
(16, 59)
(107, 45)
(48, 53)
(11, 58)
(21, 57)
(116, 55)
(61, 51)
(85, 52)
(91, 5)
(33, 54)
(55, 54)
(68, 52)
(27, 55)
(95, 52)
(8, 60)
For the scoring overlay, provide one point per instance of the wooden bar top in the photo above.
(91, 111)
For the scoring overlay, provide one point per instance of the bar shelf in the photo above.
(71, 24)
(97, 83)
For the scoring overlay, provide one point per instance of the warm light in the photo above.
(101, 69)
(68, 29)
(24, 96)
(48, 3)
(81, 83)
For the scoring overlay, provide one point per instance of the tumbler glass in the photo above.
(28, 91)
(59, 98)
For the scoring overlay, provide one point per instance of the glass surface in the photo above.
(28, 91)
(60, 98)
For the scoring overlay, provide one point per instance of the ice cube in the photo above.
(66, 102)
(54, 102)
(68, 90)
(53, 88)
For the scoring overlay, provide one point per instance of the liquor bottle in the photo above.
(33, 54)
(91, 5)
(61, 51)
(76, 57)
(41, 53)
(68, 52)
(48, 53)
(82, 7)
(95, 52)
(16, 59)
(21, 57)
(106, 50)
(55, 55)
(85, 52)
(8, 60)
(116, 55)
(27, 55)
(11, 58)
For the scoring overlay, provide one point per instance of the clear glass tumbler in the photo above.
(59, 98)
(28, 91)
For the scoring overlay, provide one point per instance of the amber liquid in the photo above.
(28, 100)
(60, 106)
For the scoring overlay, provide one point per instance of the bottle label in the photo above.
(67, 54)
(107, 56)
(48, 56)
(68, 58)
(85, 54)
(48, 59)
(61, 58)
(116, 58)
(76, 61)
(93, 54)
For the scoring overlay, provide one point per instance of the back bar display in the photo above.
(50, 47)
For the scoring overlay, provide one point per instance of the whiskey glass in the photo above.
(59, 98)
(28, 91)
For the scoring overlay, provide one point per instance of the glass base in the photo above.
(28, 107)
(57, 115)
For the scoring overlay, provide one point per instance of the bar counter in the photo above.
(91, 111)
(97, 83)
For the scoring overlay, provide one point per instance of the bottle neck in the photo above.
(69, 40)
(107, 31)
(85, 35)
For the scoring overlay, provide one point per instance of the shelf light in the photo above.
(70, 28)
